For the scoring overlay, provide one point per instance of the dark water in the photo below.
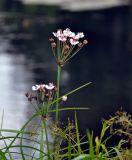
(26, 59)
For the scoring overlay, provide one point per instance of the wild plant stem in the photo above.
(57, 104)
(58, 94)
(41, 140)
(47, 140)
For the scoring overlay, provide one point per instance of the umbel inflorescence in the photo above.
(66, 44)
(42, 93)
(43, 98)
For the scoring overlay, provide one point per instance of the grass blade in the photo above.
(90, 142)
(77, 135)
(71, 92)
(7, 148)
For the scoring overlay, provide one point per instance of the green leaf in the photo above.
(97, 145)
(71, 92)
(2, 156)
(90, 141)
(104, 149)
(82, 157)
(118, 154)
(77, 135)
(18, 133)
(69, 141)
(66, 109)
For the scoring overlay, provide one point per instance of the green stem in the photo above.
(58, 94)
(47, 141)
(57, 105)
(41, 140)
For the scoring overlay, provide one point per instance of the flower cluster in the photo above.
(43, 87)
(68, 35)
(66, 44)
(42, 92)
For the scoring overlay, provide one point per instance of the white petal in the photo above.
(50, 86)
(62, 38)
(71, 34)
(59, 32)
(73, 42)
(36, 87)
(76, 37)
(80, 34)
(55, 34)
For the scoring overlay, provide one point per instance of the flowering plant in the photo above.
(66, 44)
(46, 100)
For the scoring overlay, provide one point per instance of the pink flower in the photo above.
(73, 41)
(66, 32)
(50, 86)
(71, 34)
(80, 34)
(69, 44)
(76, 37)
(58, 33)
(62, 38)
(37, 87)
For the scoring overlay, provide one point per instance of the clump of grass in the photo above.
(98, 148)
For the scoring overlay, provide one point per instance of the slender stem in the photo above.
(41, 140)
(47, 140)
(58, 94)
(57, 105)
(68, 58)
(69, 52)
(58, 49)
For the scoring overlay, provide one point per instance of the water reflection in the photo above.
(15, 80)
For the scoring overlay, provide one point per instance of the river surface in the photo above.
(26, 59)
(15, 79)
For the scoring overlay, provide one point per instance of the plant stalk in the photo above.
(58, 94)
(47, 140)
(41, 140)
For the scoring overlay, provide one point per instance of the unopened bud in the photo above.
(64, 98)
(53, 45)
(51, 40)
(85, 41)
(80, 45)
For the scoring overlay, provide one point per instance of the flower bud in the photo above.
(80, 45)
(53, 45)
(51, 40)
(64, 98)
(85, 42)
